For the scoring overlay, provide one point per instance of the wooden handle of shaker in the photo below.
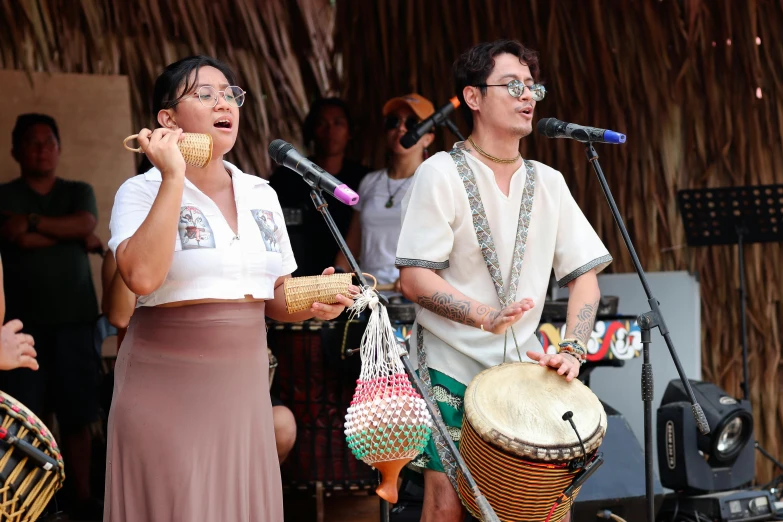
(384, 288)
(126, 140)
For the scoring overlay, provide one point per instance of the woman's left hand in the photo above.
(327, 312)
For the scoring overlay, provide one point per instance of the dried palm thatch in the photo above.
(679, 76)
(281, 49)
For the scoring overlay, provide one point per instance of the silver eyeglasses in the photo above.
(208, 95)
(516, 89)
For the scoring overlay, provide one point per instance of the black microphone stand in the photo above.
(487, 513)
(453, 128)
(647, 321)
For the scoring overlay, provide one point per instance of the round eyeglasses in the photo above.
(516, 89)
(208, 95)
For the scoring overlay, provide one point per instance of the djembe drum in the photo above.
(518, 446)
(27, 487)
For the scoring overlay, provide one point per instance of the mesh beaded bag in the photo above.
(387, 424)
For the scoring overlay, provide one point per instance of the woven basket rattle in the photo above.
(302, 292)
(195, 148)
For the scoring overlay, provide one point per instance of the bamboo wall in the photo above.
(681, 77)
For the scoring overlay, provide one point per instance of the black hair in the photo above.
(308, 129)
(175, 81)
(24, 122)
(475, 65)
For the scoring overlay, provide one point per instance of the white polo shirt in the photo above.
(438, 233)
(210, 261)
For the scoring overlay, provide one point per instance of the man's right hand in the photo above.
(161, 147)
(16, 348)
(498, 322)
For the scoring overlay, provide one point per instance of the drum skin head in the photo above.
(519, 407)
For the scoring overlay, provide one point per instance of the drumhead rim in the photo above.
(7, 403)
(514, 445)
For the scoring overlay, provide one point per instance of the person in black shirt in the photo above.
(47, 233)
(327, 130)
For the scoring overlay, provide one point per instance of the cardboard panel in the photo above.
(94, 115)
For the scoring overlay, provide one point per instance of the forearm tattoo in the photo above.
(447, 306)
(585, 319)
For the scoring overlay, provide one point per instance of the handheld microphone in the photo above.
(414, 135)
(38, 456)
(554, 128)
(286, 155)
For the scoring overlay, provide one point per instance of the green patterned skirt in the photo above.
(450, 400)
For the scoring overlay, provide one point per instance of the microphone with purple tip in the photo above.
(286, 155)
(554, 128)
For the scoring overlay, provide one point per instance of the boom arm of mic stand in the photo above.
(488, 515)
(453, 128)
(323, 207)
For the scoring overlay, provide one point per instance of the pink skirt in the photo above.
(190, 435)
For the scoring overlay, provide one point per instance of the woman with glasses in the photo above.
(375, 227)
(190, 430)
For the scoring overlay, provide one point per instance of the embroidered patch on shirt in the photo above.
(194, 229)
(266, 224)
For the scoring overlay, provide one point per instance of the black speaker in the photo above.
(618, 485)
(720, 461)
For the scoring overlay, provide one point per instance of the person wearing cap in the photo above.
(377, 218)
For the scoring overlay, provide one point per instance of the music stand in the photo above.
(734, 216)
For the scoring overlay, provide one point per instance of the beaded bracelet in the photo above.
(574, 347)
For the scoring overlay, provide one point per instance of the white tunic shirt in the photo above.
(438, 233)
(210, 261)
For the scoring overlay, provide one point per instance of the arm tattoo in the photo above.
(585, 319)
(446, 306)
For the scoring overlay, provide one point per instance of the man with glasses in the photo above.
(47, 224)
(482, 230)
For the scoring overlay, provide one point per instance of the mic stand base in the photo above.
(488, 515)
(647, 321)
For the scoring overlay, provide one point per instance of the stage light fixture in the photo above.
(694, 463)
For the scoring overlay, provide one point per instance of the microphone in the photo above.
(42, 459)
(286, 155)
(438, 118)
(554, 128)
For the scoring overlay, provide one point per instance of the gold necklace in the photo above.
(490, 156)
